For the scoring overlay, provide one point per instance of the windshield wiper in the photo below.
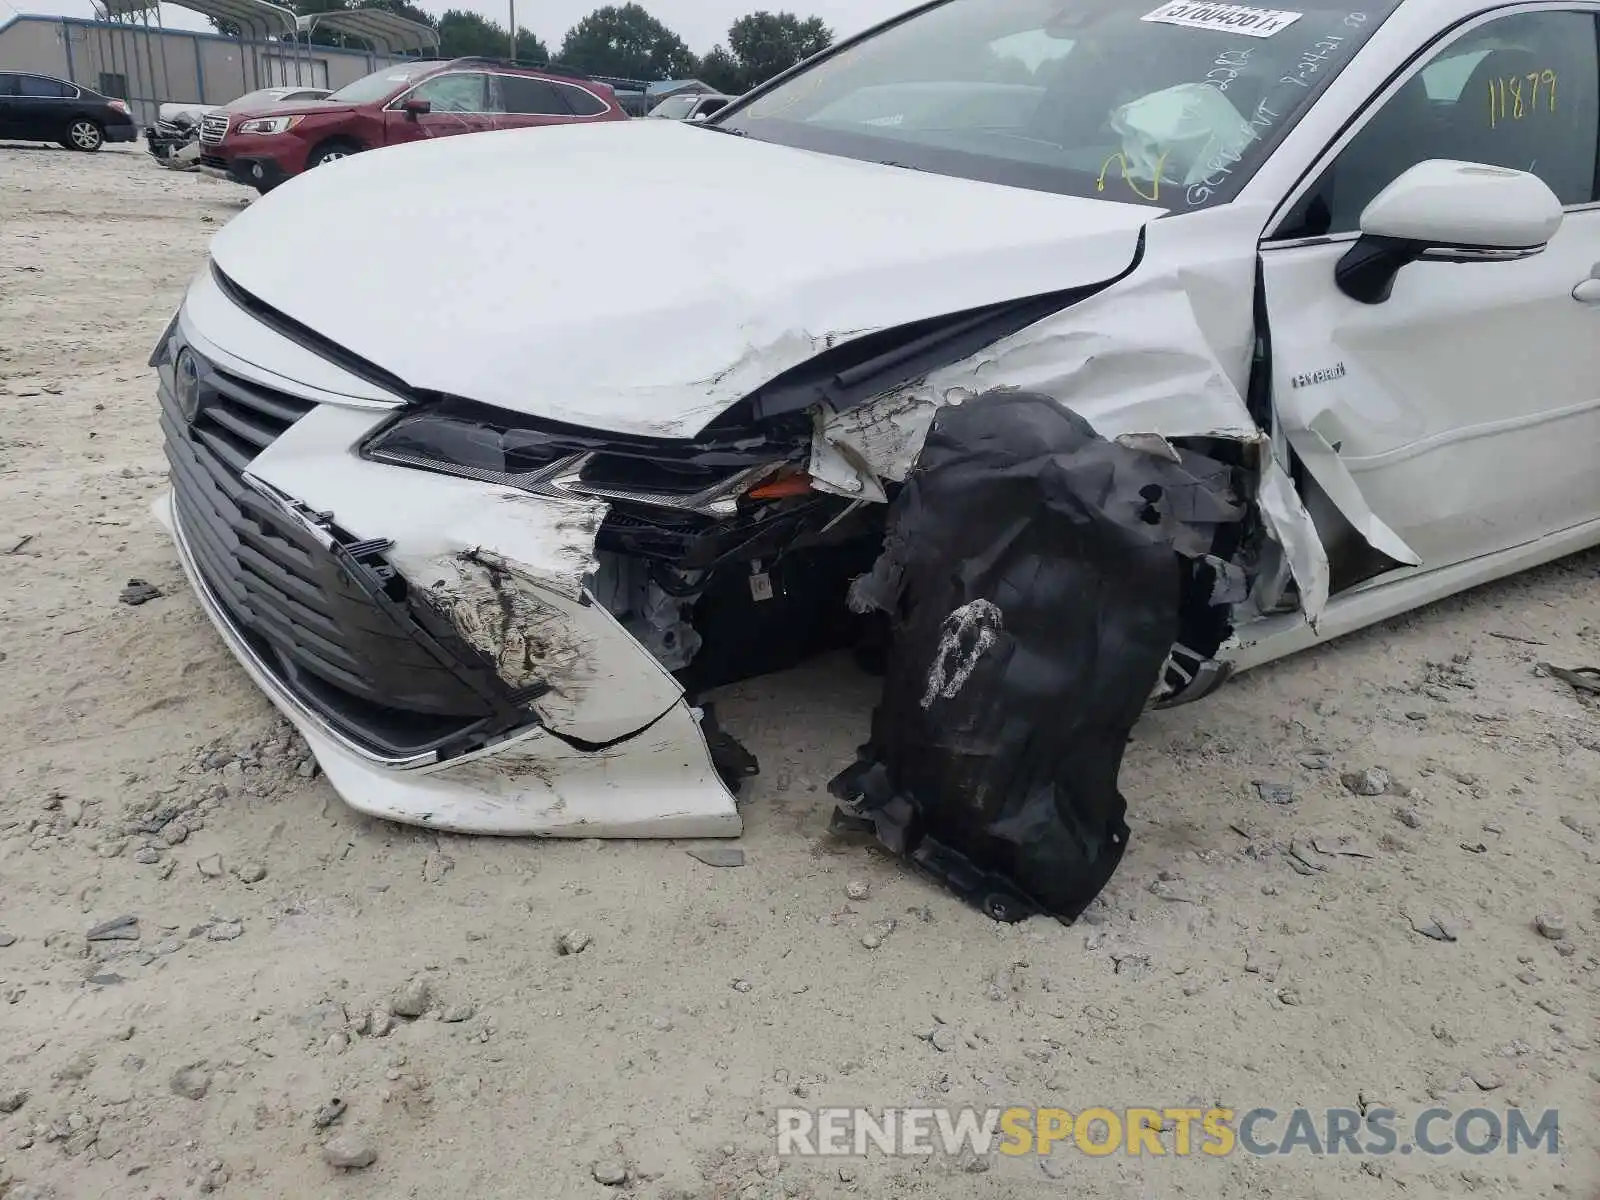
(719, 128)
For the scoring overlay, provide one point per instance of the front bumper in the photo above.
(254, 171)
(659, 785)
(258, 172)
(433, 690)
(163, 138)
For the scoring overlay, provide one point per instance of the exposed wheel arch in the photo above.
(331, 150)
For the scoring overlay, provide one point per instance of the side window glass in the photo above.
(458, 93)
(494, 94)
(1521, 92)
(531, 97)
(8, 85)
(580, 101)
(34, 85)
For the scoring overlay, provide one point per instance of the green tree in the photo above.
(760, 46)
(463, 33)
(722, 71)
(626, 40)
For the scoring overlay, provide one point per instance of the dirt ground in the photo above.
(1249, 953)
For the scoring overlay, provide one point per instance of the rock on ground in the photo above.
(349, 1151)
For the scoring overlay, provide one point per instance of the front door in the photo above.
(459, 102)
(8, 105)
(1461, 416)
(43, 107)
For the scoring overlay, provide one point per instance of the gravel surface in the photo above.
(1366, 876)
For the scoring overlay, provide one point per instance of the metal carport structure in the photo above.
(260, 24)
(382, 31)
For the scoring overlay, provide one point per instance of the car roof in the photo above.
(554, 72)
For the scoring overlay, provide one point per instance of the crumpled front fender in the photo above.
(1164, 352)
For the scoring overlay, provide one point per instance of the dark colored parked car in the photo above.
(403, 103)
(41, 108)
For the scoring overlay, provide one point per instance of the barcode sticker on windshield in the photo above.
(1227, 18)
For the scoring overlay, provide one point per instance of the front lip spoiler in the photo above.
(257, 669)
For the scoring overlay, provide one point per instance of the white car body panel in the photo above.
(229, 336)
(721, 306)
(661, 785)
(1164, 351)
(1276, 637)
(1425, 438)
(172, 110)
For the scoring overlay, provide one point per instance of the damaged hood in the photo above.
(643, 276)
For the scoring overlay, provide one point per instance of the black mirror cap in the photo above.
(1367, 270)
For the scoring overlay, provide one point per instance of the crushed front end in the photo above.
(428, 628)
(1035, 517)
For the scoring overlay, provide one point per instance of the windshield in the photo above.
(1172, 104)
(674, 108)
(380, 84)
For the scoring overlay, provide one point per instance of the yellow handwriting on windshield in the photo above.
(1122, 159)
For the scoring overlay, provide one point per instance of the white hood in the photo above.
(642, 276)
(171, 111)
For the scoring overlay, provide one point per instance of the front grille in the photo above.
(213, 128)
(321, 608)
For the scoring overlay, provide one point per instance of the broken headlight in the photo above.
(701, 476)
(471, 449)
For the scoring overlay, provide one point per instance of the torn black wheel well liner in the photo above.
(1033, 602)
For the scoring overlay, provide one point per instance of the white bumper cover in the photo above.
(657, 783)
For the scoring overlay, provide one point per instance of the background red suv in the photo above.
(403, 103)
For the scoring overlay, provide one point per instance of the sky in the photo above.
(701, 23)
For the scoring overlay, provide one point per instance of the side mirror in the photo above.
(414, 106)
(700, 116)
(1447, 211)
